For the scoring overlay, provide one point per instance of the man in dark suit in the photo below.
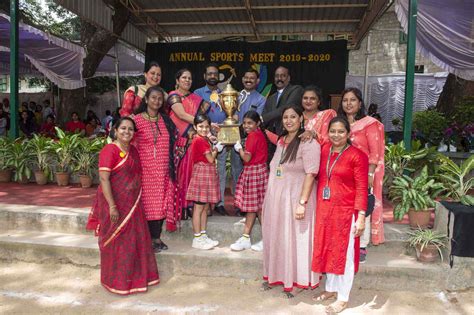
(286, 94)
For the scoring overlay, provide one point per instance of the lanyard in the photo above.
(329, 169)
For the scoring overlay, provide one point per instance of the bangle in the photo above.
(362, 212)
(113, 207)
(302, 202)
(371, 174)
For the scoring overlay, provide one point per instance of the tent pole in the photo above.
(117, 76)
(366, 72)
(14, 38)
(410, 73)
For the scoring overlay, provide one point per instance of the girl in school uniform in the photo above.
(203, 188)
(250, 189)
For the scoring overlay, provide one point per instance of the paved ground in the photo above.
(52, 289)
(77, 197)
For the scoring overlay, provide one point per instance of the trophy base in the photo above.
(228, 134)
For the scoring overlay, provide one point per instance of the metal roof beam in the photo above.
(135, 9)
(258, 7)
(217, 23)
(372, 14)
(248, 7)
(250, 34)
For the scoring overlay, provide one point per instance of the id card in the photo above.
(279, 172)
(326, 193)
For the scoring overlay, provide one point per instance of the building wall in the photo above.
(387, 54)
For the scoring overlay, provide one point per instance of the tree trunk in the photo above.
(97, 42)
(454, 90)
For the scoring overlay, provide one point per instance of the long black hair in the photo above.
(292, 149)
(345, 122)
(358, 94)
(170, 127)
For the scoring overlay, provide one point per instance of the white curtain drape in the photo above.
(388, 92)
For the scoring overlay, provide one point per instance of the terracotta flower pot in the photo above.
(429, 254)
(23, 180)
(62, 178)
(5, 176)
(419, 218)
(41, 178)
(86, 181)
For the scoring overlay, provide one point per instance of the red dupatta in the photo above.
(125, 182)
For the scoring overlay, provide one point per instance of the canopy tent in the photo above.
(445, 33)
(60, 60)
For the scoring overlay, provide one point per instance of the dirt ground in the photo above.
(27, 288)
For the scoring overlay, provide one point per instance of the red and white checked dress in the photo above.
(252, 183)
(157, 188)
(204, 184)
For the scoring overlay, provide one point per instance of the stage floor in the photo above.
(76, 197)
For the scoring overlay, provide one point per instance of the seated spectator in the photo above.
(6, 105)
(107, 119)
(39, 115)
(27, 125)
(91, 115)
(4, 122)
(47, 110)
(75, 125)
(47, 128)
(92, 128)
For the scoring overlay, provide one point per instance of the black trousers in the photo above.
(155, 227)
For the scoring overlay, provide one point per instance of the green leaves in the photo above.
(414, 193)
(455, 179)
(65, 148)
(6, 157)
(423, 238)
(86, 157)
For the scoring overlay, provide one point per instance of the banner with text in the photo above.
(321, 63)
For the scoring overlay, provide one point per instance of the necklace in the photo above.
(149, 117)
(123, 148)
(155, 129)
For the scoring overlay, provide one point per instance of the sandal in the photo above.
(324, 296)
(336, 307)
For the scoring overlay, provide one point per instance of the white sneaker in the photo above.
(201, 243)
(257, 247)
(241, 244)
(210, 240)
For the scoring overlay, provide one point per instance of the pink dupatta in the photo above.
(367, 134)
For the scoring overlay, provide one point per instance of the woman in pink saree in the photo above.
(184, 106)
(367, 134)
(316, 122)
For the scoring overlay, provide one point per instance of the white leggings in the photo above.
(342, 284)
(365, 237)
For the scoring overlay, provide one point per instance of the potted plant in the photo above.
(457, 180)
(20, 161)
(6, 159)
(40, 150)
(415, 196)
(429, 126)
(428, 244)
(64, 149)
(85, 159)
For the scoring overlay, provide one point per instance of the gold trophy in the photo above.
(229, 102)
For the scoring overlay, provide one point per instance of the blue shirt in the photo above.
(254, 101)
(215, 113)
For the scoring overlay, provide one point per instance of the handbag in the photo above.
(370, 203)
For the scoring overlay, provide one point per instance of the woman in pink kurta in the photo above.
(316, 121)
(367, 134)
(289, 209)
(155, 140)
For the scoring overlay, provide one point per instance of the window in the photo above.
(3, 84)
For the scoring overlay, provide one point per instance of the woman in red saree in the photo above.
(184, 106)
(127, 261)
(367, 134)
(133, 95)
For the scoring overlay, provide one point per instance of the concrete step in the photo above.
(73, 220)
(385, 269)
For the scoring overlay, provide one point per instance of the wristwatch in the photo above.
(302, 202)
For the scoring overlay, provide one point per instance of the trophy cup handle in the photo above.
(218, 103)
